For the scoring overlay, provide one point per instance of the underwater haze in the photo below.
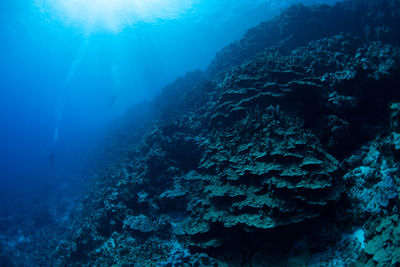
(71, 66)
(71, 72)
(199, 132)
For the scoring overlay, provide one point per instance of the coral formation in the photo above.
(285, 151)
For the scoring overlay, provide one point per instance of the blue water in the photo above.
(63, 80)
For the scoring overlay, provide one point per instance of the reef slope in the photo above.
(284, 152)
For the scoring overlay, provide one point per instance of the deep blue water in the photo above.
(62, 82)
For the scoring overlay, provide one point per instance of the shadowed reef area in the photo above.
(284, 152)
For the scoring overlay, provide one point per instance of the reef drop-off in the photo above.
(284, 152)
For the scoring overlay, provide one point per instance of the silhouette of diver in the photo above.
(113, 99)
(51, 159)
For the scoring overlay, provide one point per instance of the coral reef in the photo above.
(283, 153)
(263, 173)
(33, 227)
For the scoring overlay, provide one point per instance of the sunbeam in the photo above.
(113, 15)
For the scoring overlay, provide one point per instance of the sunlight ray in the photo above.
(113, 15)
